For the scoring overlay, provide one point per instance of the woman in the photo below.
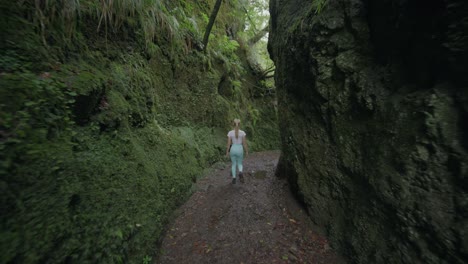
(236, 137)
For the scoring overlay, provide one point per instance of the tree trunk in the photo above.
(214, 13)
(259, 35)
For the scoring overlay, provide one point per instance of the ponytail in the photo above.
(237, 121)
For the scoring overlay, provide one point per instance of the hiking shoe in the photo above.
(241, 177)
(233, 180)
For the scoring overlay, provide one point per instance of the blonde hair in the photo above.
(237, 122)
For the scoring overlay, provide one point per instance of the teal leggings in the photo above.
(237, 155)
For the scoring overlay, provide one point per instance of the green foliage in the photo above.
(319, 5)
(237, 89)
(147, 260)
(33, 108)
(254, 114)
(257, 17)
(205, 18)
(263, 128)
(107, 117)
(61, 22)
(225, 49)
(106, 189)
(109, 201)
(227, 46)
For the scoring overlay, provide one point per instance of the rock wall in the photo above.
(373, 108)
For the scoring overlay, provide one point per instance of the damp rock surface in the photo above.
(373, 108)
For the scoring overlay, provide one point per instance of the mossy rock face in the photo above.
(371, 125)
(103, 133)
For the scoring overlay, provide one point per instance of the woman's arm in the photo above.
(244, 143)
(228, 146)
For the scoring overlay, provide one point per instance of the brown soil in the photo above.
(258, 221)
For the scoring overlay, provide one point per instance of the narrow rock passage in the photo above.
(255, 222)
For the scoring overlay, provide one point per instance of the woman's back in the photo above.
(238, 140)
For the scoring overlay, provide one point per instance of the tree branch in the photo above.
(250, 19)
(272, 69)
(259, 35)
(214, 13)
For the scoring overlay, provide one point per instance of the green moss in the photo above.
(103, 135)
(104, 197)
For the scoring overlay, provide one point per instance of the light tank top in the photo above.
(234, 140)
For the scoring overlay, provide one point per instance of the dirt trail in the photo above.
(255, 222)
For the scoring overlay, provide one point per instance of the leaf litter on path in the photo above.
(253, 222)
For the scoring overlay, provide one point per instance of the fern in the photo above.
(152, 16)
(254, 114)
